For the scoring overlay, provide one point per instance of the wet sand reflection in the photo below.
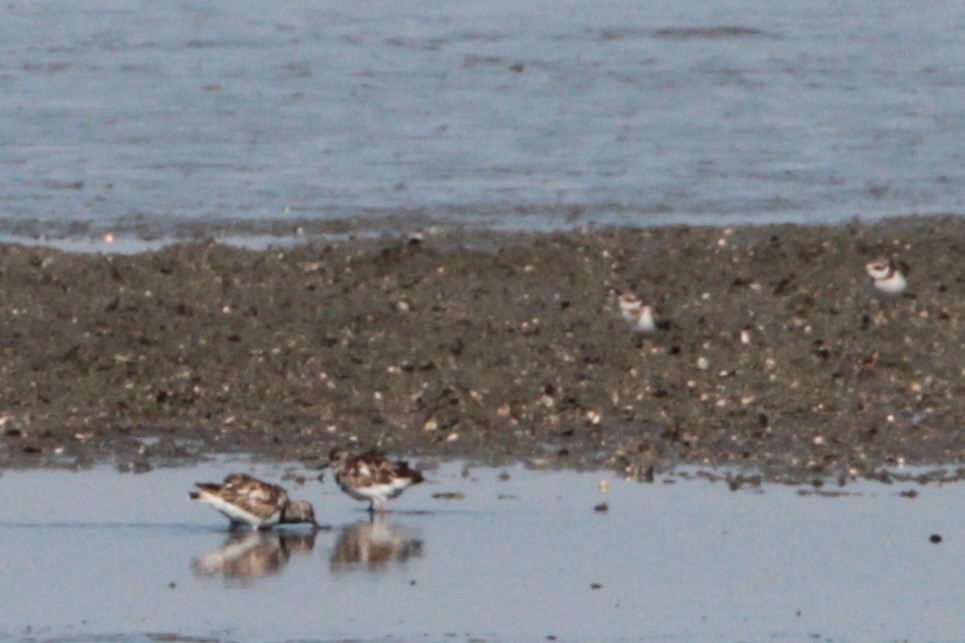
(373, 546)
(247, 556)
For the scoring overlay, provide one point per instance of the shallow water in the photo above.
(168, 118)
(517, 554)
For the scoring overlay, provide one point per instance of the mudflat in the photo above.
(774, 351)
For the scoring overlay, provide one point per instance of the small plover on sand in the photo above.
(371, 476)
(246, 500)
(639, 316)
(886, 277)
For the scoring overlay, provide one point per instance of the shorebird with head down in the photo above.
(886, 277)
(247, 500)
(371, 476)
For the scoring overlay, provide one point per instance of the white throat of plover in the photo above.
(645, 323)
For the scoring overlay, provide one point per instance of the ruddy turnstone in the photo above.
(244, 499)
(371, 476)
(886, 277)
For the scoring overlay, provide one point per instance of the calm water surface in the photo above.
(515, 555)
(243, 118)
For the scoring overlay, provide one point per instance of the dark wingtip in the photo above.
(194, 495)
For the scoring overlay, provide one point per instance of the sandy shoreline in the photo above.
(495, 348)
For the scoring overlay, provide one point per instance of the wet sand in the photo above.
(497, 348)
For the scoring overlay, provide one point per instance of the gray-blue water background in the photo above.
(125, 115)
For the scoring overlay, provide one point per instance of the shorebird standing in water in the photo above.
(886, 277)
(247, 500)
(371, 476)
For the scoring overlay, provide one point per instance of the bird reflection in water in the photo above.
(247, 556)
(373, 546)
